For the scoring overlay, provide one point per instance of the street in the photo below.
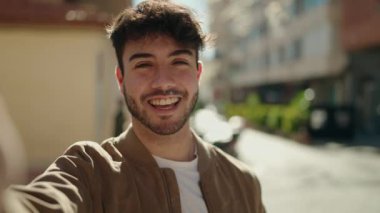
(298, 178)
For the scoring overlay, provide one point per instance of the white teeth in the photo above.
(163, 101)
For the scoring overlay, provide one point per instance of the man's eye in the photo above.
(143, 65)
(180, 63)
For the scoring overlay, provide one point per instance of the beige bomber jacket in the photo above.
(120, 175)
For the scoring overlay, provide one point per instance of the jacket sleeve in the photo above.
(258, 195)
(66, 185)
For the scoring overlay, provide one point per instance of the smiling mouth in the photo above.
(164, 103)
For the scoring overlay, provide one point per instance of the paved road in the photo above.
(303, 179)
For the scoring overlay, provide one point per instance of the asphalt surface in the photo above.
(298, 178)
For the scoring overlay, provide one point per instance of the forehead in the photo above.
(154, 44)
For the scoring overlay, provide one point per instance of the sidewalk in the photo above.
(298, 178)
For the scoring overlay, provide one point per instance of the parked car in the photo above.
(217, 130)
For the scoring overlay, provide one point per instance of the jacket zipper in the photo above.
(167, 192)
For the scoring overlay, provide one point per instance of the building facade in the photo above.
(278, 48)
(56, 75)
(361, 41)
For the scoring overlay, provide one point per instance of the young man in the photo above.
(158, 164)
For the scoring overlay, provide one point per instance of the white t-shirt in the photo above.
(188, 182)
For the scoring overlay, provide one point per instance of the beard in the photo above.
(160, 128)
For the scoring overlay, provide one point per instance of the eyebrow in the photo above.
(181, 51)
(148, 55)
(140, 55)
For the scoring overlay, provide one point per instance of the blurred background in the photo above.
(295, 82)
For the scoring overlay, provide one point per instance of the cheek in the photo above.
(191, 82)
(133, 84)
(131, 87)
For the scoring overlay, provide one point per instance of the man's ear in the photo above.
(200, 69)
(119, 77)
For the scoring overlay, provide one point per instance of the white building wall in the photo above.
(319, 54)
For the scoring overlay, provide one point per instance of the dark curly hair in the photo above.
(156, 17)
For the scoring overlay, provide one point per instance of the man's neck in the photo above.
(179, 146)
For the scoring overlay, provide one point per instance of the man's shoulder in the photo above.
(84, 146)
(105, 150)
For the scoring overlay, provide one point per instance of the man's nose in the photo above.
(163, 79)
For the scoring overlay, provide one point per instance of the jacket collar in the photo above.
(132, 149)
(204, 154)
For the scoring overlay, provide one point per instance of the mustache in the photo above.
(159, 92)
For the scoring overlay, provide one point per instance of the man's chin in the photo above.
(166, 128)
(164, 131)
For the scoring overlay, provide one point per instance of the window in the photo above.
(281, 54)
(255, 33)
(310, 4)
(266, 59)
(263, 28)
(297, 7)
(297, 45)
(294, 50)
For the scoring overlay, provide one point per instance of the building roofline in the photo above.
(34, 13)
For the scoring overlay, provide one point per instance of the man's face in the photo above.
(160, 83)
